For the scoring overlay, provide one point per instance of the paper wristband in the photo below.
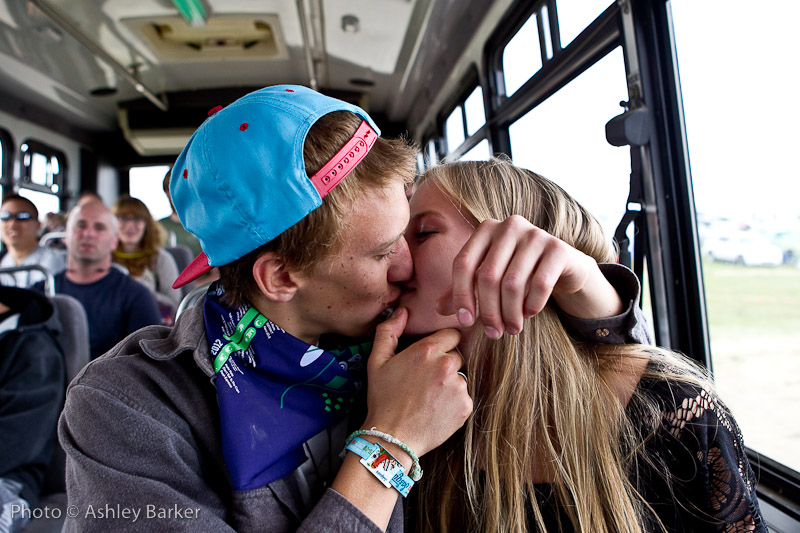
(382, 464)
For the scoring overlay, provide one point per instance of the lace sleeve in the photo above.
(704, 425)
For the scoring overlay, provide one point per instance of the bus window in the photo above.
(741, 112)
(431, 155)
(44, 202)
(563, 139)
(41, 167)
(3, 159)
(146, 185)
(474, 112)
(479, 152)
(522, 57)
(420, 162)
(463, 123)
(454, 129)
(42, 176)
(574, 17)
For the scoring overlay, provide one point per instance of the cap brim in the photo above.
(198, 267)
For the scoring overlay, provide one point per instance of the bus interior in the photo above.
(670, 120)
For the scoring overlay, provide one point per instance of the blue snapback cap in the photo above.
(241, 181)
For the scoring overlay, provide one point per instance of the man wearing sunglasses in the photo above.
(19, 228)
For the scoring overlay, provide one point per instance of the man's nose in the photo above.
(402, 268)
(88, 232)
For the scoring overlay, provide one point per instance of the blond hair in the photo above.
(541, 398)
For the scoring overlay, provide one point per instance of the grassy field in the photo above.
(754, 319)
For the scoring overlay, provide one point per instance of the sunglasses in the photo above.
(22, 215)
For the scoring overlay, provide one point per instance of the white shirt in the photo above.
(53, 260)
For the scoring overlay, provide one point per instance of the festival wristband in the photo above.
(382, 464)
(416, 470)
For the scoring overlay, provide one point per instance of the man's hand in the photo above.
(416, 395)
(511, 268)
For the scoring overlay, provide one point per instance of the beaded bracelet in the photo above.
(415, 473)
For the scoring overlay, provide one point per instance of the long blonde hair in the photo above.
(541, 399)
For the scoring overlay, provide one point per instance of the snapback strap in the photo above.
(345, 159)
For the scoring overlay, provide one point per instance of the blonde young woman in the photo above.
(140, 251)
(566, 436)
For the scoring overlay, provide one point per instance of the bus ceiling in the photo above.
(150, 70)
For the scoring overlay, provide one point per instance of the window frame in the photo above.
(9, 153)
(468, 85)
(60, 179)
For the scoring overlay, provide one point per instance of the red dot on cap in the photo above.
(214, 110)
(243, 126)
(185, 173)
(289, 90)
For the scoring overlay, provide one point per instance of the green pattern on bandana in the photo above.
(240, 340)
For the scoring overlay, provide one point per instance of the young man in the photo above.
(116, 305)
(19, 227)
(235, 418)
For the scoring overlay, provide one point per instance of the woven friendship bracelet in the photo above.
(415, 472)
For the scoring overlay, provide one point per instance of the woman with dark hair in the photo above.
(140, 251)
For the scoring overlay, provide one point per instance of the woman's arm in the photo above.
(513, 269)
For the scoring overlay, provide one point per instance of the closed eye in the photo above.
(388, 254)
(420, 236)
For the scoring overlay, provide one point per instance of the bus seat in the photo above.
(49, 279)
(183, 256)
(74, 342)
(74, 337)
(45, 239)
(192, 298)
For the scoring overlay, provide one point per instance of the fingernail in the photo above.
(395, 312)
(464, 317)
(512, 331)
(492, 333)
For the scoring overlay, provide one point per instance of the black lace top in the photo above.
(700, 445)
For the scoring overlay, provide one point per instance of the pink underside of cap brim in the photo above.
(196, 268)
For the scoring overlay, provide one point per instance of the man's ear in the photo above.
(274, 278)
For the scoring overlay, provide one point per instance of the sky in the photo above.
(738, 63)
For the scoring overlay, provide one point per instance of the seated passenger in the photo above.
(567, 435)
(19, 228)
(176, 233)
(55, 224)
(32, 383)
(234, 417)
(116, 305)
(139, 250)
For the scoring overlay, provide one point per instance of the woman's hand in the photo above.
(508, 270)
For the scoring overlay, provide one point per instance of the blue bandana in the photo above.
(274, 391)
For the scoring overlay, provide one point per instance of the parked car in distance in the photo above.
(789, 242)
(743, 248)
